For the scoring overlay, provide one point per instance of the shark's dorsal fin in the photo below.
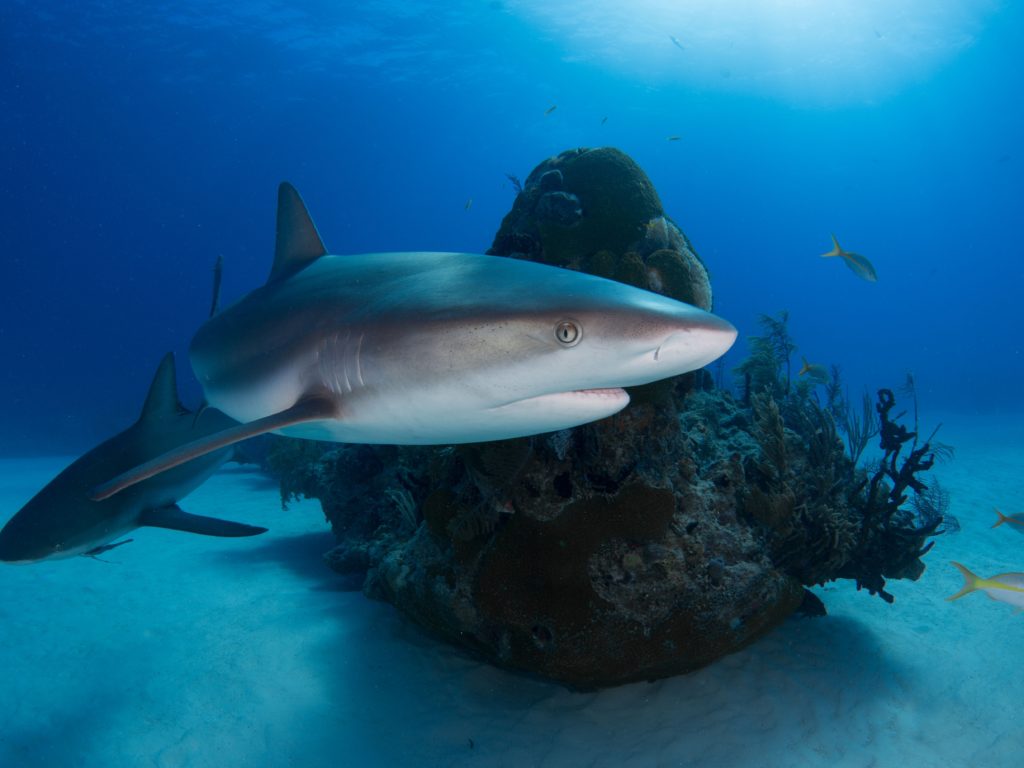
(298, 242)
(162, 399)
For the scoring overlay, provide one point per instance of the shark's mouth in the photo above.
(611, 399)
(602, 392)
(615, 392)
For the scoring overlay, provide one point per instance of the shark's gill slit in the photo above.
(342, 362)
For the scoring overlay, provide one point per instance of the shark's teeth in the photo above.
(603, 392)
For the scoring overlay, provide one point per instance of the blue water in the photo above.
(138, 144)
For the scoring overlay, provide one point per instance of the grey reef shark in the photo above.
(62, 521)
(428, 348)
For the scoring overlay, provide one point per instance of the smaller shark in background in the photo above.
(62, 521)
(859, 265)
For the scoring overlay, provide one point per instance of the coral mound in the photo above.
(595, 210)
(641, 546)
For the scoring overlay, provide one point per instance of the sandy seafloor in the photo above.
(189, 651)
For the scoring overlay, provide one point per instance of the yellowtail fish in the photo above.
(469, 203)
(1016, 521)
(813, 371)
(859, 265)
(1006, 587)
(674, 138)
(550, 109)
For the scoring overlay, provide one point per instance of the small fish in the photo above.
(674, 138)
(469, 203)
(604, 120)
(814, 371)
(860, 266)
(1016, 521)
(676, 43)
(1006, 587)
(550, 109)
(106, 548)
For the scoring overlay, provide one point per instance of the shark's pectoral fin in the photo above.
(310, 409)
(174, 518)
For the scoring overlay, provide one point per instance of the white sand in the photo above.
(188, 651)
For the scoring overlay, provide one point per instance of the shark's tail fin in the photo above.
(1002, 518)
(836, 250)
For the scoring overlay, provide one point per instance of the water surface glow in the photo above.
(803, 51)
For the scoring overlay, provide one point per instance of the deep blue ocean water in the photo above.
(138, 142)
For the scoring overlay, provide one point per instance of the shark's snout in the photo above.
(696, 342)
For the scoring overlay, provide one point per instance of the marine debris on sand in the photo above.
(647, 544)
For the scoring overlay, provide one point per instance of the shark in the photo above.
(423, 348)
(62, 521)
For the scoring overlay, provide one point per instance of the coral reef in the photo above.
(644, 545)
(595, 210)
(609, 553)
(825, 517)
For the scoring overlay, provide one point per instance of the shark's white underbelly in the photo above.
(426, 420)
(409, 409)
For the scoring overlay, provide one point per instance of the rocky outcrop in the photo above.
(648, 544)
(595, 210)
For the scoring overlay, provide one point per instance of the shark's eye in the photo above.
(568, 333)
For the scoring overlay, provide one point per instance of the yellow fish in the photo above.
(859, 265)
(550, 109)
(1016, 521)
(1006, 587)
(813, 371)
